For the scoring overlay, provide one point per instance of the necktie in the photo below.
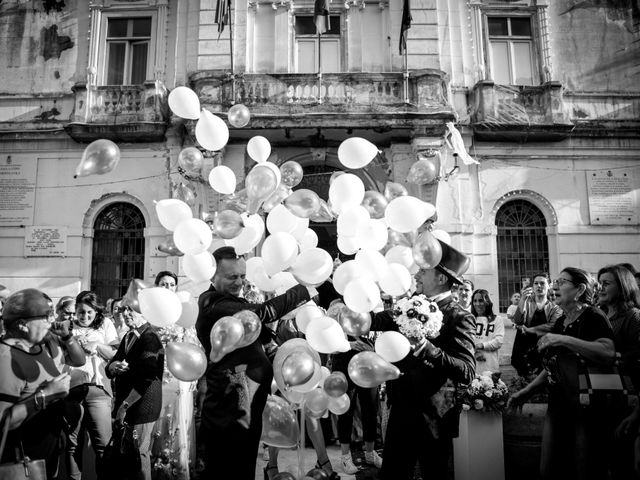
(129, 340)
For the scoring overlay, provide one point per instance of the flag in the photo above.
(321, 16)
(406, 25)
(223, 7)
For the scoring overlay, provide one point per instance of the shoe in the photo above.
(331, 475)
(348, 466)
(372, 458)
(270, 471)
(265, 453)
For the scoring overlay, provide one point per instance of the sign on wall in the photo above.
(45, 241)
(613, 197)
(17, 190)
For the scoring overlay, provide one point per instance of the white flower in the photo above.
(465, 407)
(488, 394)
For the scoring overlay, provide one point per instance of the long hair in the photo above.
(582, 277)
(165, 273)
(90, 299)
(488, 310)
(628, 293)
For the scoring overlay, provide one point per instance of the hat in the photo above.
(26, 304)
(453, 263)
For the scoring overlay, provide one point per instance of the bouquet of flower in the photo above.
(487, 393)
(418, 318)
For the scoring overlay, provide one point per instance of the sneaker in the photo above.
(348, 466)
(372, 458)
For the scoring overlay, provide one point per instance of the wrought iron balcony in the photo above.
(349, 100)
(519, 113)
(126, 113)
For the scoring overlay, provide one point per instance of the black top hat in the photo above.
(453, 263)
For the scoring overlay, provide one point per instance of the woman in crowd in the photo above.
(33, 353)
(90, 387)
(534, 317)
(168, 280)
(572, 439)
(489, 332)
(66, 309)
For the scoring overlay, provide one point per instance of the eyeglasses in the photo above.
(67, 314)
(561, 281)
(49, 318)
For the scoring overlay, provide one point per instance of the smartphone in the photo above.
(526, 282)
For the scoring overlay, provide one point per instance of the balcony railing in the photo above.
(119, 112)
(332, 99)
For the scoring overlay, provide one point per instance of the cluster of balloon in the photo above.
(100, 157)
(185, 361)
(233, 332)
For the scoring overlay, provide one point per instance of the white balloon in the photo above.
(190, 310)
(347, 245)
(283, 281)
(192, 236)
(372, 235)
(185, 103)
(263, 281)
(372, 263)
(350, 220)
(309, 240)
(406, 214)
(159, 306)
(211, 131)
(442, 236)
(274, 168)
(280, 219)
(171, 212)
(305, 314)
(216, 244)
(325, 335)
(254, 265)
(392, 346)
(279, 251)
(223, 180)
(346, 190)
(313, 266)
(259, 148)
(356, 152)
(249, 236)
(400, 254)
(199, 267)
(346, 272)
(302, 224)
(397, 280)
(361, 295)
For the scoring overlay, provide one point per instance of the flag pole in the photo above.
(319, 68)
(406, 77)
(233, 77)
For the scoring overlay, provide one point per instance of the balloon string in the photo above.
(301, 442)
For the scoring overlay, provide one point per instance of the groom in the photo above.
(421, 423)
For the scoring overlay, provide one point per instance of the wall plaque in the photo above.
(613, 197)
(45, 241)
(17, 190)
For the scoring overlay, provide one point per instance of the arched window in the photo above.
(118, 249)
(523, 249)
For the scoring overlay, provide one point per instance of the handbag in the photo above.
(608, 383)
(23, 469)
(122, 453)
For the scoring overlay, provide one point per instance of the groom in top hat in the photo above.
(422, 420)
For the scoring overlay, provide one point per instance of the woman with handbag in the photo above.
(572, 438)
(32, 355)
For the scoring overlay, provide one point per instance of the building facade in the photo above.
(545, 94)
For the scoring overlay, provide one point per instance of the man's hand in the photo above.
(62, 329)
(121, 413)
(118, 368)
(57, 387)
(550, 340)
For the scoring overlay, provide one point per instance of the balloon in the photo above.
(297, 368)
(171, 212)
(261, 182)
(280, 219)
(254, 265)
(159, 306)
(225, 335)
(325, 214)
(312, 267)
(259, 148)
(306, 314)
(335, 175)
(185, 361)
(239, 115)
(302, 224)
(252, 327)
(190, 159)
(339, 405)
(192, 236)
(303, 202)
(372, 235)
(276, 197)
(309, 240)
(397, 280)
(222, 180)
(392, 346)
(316, 401)
(185, 193)
(346, 190)
(350, 219)
(335, 384)
(400, 254)
(211, 131)
(356, 152)
(279, 424)
(346, 272)
(427, 251)
(291, 173)
(442, 236)
(347, 245)
(185, 103)
(279, 251)
(325, 373)
(397, 238)
(169, 247)
(325, 335)
(422, 172)
(189, 313)
(368, 370)
(354, 323)
(288, 347)
(283, 281)
(372, 263)
(375, 203)
(199, 267)
(236, 201)
(100, 157)
(406, 214)
(250, 235)
(131, 297)
(312, 383)
(227, 224)
(361, 295)
(394, 190)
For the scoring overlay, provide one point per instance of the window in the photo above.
(511, 50)
(128, 42)
(308, 45)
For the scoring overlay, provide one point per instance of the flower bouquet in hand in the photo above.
(418, 318)
(487, 393)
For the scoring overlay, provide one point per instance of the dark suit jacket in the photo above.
(424, 375)
(146, 367)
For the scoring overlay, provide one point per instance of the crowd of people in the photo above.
(78, 369)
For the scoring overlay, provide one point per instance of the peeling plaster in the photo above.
(52, 44)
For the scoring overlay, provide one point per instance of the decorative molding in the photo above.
(534, 197)
(99, 204)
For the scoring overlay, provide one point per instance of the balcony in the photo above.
(122, 113)
(519, 113)
(332, 100)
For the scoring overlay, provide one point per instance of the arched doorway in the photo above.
(522, 246)
(118, 249)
